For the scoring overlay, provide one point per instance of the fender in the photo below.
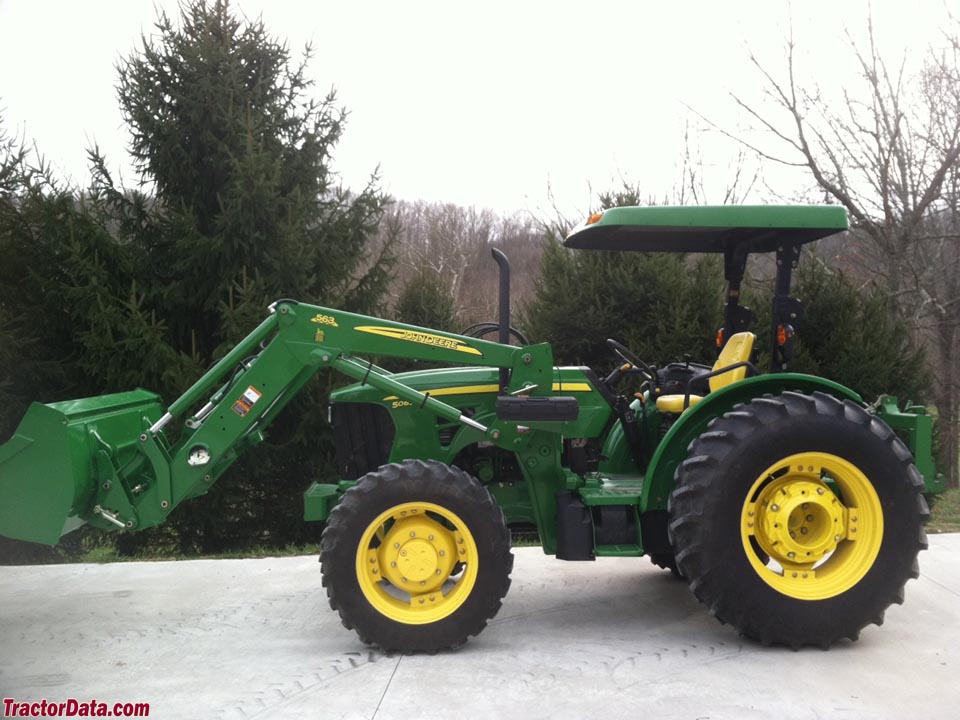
(659, 480)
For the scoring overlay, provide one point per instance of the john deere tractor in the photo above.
(793, 510)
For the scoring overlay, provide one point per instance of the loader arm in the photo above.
(117, 465)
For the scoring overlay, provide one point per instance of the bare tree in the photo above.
(454, 242)
(887, 149)
(740, 177)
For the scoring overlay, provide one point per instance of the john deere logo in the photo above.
(420, 337)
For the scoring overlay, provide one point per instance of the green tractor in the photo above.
(794, 511)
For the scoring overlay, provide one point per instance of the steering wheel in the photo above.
(628, 356)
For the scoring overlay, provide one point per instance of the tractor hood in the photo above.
(449, 382)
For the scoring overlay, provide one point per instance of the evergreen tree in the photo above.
(848, 335)
(237, 206)
(247, 210)
(662, 306)
(426, 301)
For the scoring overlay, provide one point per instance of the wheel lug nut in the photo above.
(423, 582)
(403, 579)
(393, 564)
(803, 531)
(836, 538)
(792, 534)
(432, 598)
(442, 553)
(464, 552)
(438, 572)
(412, 534)
(429, 537)
(396, 545)
(809, 518)
(421, 601)
(791, 554)
(819, 491)
(775, 507)
(373, 560)
(374, 571)
(460, 541)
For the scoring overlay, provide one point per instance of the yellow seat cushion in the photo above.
(674, 403)
(737, 350)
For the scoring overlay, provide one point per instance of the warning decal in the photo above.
(246, 401)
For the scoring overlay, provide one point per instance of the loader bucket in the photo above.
(47, 469)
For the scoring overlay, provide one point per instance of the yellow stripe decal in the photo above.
(422, 338)
(474, 389)
(572, 387)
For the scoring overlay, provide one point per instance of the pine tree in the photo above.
(237, 205)
(662, 306)
(246, 209)
(426, 301)
(849, 335)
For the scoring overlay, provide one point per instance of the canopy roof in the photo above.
(762, 228)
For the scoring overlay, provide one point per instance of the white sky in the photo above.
(483, 103)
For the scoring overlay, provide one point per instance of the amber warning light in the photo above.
(784, 333)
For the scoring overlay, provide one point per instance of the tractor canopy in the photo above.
(707, 229)
(734, 230)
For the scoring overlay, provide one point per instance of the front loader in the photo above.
(792, 508)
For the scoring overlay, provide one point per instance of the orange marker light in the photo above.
(594, 218)
(720, 337)
(784, 333)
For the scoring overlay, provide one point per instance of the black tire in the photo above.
(656, 541)
(394, 485)
(667, 561)
(718, 481)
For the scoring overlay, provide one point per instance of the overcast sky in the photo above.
(482, 103)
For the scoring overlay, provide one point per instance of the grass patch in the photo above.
(108, 554)
(944, 512)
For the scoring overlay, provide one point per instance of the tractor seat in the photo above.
(730, 367)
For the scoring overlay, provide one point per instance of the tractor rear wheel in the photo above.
(798, 519)
(666, 561)
(416, 557)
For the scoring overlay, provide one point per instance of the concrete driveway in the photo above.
(617, 638)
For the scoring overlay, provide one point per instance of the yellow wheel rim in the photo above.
(812, 526)
(417, 563)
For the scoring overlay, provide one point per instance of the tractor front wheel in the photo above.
(798, 519)
(416, 557)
